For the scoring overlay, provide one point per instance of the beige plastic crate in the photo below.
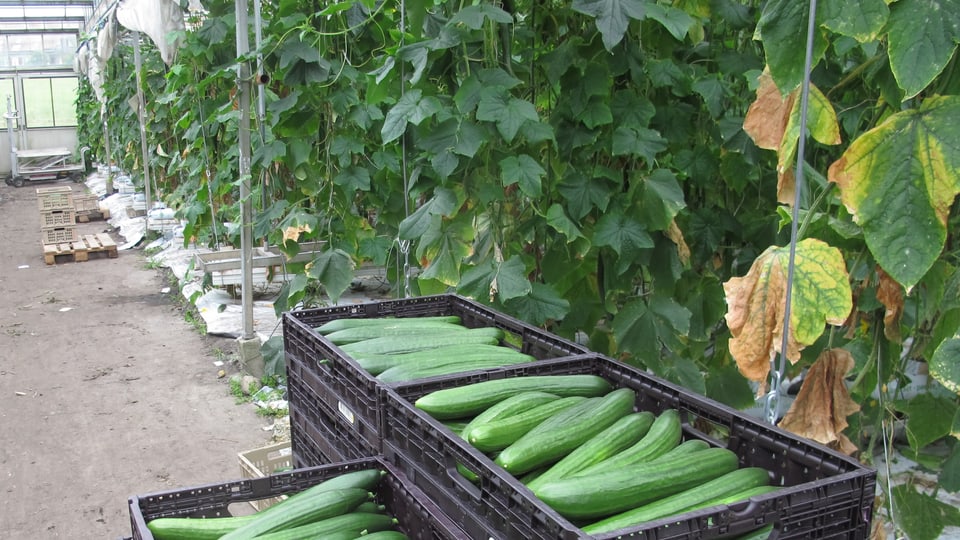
(58, 218)
(263, 462)
(55, 198)
(59, 235)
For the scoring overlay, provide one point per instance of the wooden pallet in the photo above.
(80, 250)
(92, 215)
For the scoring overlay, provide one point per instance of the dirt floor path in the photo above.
(105, 390)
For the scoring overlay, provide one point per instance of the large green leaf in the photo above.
(443, 203)
(511, 279)
(675, 20)
(444, 247)
(473, 17)
(635, 330)
(525, 171)
(949, 476)
(862, 20)
(622, 232)
(476, 282)
(334, 270)
(661, 199)
(613, 17)
(899, 180)
(541, 306)
(945, 364)
(353, 178)
(640, 142)
(395, 123)
(783, 30)
(923, 35)
(558, 220)
(507, 112)
(921, 516)
(584, 193)
(929, 418)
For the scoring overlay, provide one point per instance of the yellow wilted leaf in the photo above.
(293, 233)
(756, 304)
(767, 117)
(890, 294)
(821, 409)
(773, 122)
(674, 233)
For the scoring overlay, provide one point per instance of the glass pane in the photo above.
(36, 101)
(64, 100)
(6, 90)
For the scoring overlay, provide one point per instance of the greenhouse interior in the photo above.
(666, 269)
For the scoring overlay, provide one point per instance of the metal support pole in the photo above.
(141, 112)
(106, 149)
(246, 212)
(11, 116)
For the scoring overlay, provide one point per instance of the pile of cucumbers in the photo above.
(341, 508)
(396, 350)
(579, 445)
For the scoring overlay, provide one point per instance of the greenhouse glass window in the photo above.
(50, 101)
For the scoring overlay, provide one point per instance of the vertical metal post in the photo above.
(106, 150)
(261, 96)
(10, 116)
(246, 209)
(141, 112)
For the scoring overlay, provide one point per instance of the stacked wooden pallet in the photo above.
(58, 228)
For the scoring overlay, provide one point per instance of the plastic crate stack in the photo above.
(339, 411)
(57, 215)
(342, 418)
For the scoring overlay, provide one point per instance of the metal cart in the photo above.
(44, 164)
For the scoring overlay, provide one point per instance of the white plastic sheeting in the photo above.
(162, 20)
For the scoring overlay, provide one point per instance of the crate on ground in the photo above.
(824, 494)
(59, 235)
(57, 218)
(265, 461)
(347, 388)
(55, 198)
(418, 517)
(320, 434)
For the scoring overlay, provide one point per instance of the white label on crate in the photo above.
(347, 413)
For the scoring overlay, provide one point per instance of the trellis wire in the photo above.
(773, 396)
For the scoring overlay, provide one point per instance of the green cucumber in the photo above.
(499, 433)
(471, 399)
(740, 495)
(178, 528)
(623, 433)
(174, 528)
(548, 442)
(354, 322)
(617, 490)
(361, 333)
(376, 364)
(760, 534)
(413, 342)
(370, 507)
(384, 535)
(663, 436)
(727, 484)
(422, 370)
(353, 522)
(510, 406)
(300, 510)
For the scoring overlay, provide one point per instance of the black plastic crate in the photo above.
(353, 392)
(319, 434)
(419, 518)
(824, 495)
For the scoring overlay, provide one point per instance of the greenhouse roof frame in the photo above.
(45, 16)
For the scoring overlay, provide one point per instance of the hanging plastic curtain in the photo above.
(158, 19)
